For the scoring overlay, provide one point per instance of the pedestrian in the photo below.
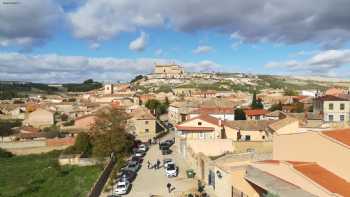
(148, 164)
(169, 187)
(158, 163)
(155, 166)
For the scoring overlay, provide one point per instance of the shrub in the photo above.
(5, 154)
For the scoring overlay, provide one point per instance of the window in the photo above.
(330, 118)
(199, 123)
(341, 117)
(247, 138)
(330, 106)
(146, 130)
(201, 135)
(342, 106)
(146, 122)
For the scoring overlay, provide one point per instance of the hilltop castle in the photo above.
(168, 71)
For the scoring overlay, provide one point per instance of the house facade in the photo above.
(143, 125)
(200, 127)
(40, 118)
(333, 108)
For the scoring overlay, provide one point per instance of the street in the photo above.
(153, 182)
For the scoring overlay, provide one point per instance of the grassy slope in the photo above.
(40, 175)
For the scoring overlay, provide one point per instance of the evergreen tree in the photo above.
(239, 114)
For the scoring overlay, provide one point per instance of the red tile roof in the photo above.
(187, 128)
(255, 112)
(319, 175)
(341, 135)
(30, 129)
(209, 119)
(331, 98)
(325, 178)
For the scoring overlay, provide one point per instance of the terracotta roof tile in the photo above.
(325, 178)
(332, 98)
(255, 112)
(318, 175)
(341, 135)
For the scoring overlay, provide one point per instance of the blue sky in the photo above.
(66, 41)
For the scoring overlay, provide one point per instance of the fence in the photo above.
(101, 181)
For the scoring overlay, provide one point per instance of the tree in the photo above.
(82, 144)
(275, 107)
(157, 107)
(239, 114)
(290, 92)
(256, 103)
(109, 135)
(88, 81)
(5, 154)
(52, 132)
(6, 127)
(138, 77)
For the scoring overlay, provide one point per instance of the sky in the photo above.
(55, 41)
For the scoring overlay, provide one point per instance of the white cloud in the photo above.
(99, 20)
(202, 49)
(56, 68)
(139, 44)
(256, 20)
(320, 63)
(28, 23)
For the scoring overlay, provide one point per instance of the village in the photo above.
(222, 138)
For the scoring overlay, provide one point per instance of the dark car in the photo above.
(137, 159)
(166, 151)
(133, 166)
(164, 144)
(170, 142)
(128, 175)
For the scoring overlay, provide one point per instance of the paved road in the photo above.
(153, 182)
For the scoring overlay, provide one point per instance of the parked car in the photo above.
(166, 151)
(166, 162)
(163, 144)
(139, 153)
(170, 142)
(171, 170)
(133, 166)
(143, 147)
(137, 159)
(127, 175)
(122, 187)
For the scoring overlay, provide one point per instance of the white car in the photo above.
(171, 170)
(122, 187)
(143, 147)
(166, 162)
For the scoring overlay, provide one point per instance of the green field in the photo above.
(40, 175)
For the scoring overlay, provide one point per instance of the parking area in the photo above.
(154, 182)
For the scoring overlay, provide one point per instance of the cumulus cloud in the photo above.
(256, 20)
(321, 63)
(28, 23)
(139, 44)
(99, 20)
(202, 49)
(56, 68)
